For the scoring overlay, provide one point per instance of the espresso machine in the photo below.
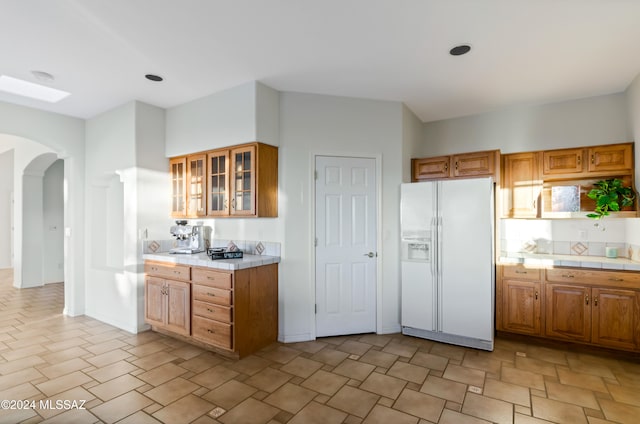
(189, 238)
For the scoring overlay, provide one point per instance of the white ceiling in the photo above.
(524, 51)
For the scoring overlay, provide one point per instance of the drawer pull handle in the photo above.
(586, 299)
(210, 310)
(616, 279)
(210, 331)
(536, 295)
(521, 272)
(568, 275)
(595, 301)
(211, 294)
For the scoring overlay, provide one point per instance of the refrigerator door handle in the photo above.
(432, 249)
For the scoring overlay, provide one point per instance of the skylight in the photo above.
(30, 89)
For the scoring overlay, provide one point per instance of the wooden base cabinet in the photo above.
(595, 307)
(232, 312)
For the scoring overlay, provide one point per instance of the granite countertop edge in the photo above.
(550, 260)
(202, 260)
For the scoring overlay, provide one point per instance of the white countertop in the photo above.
(202, 260)
(548, 260)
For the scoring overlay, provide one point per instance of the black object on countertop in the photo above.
(222, 253)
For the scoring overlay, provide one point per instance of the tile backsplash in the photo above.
(247, 246)
(577, 237)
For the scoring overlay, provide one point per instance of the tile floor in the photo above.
(150, 378)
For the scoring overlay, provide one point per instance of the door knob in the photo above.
(370, 254)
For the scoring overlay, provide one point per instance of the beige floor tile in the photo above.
(620, 412)
(121, 407)
(353, 401)
(555, 411)
(448, 351)
(281, 354)
(16, 415)
(12, 355)
(408, 372)
(162, 374)
(154, 360)
(571, 394)
(518, 395)
(375, 339)
(147, 349)
(116, 387)
(330, 356)
(526, 419)
(64, 355)
(312, 347)
(301, 367)
(587, 381)
(251, 365)
(354, 347)
(20, 364)
(62, 368)
(384, 415)
(63, 383)
(482, 362)
(379, 359)
(399, 349)
(464, 375)
(187, 351)
(21, 391)
(183, 410)
(383, 385)
(249, 411)
(139, 417)
(427, 360)
(111, 371)
(315, 413)
(100, 348)
(268, 379)
(592, 367)
(75, 416)
(172, 390)
(79, 395)
(522, 378)
(109, 357)
(214, 377)
(419, 404)
(229, 394)
(444, 389)
(201, 362)
(629, 395)
(493, 410)
(354, 369)
(290, 398)
(325, 382)
(536, 365)
(454, 417)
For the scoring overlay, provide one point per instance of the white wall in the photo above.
(65, 136)
(633, 106)
(53, 223)
(412, 129)
(584, 122)
(312, 125)
(6, 193)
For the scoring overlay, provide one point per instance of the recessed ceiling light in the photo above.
(152, 77)
(43, 76)
(460, 50)
(30, 89)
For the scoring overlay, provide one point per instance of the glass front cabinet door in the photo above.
(178, 171)
(218, 172)
(243, 183)
(196, 165)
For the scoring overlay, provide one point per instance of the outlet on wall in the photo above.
(582, 234)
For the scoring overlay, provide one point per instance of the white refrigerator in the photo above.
(448, 270)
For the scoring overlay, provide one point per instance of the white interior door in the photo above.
(346, 245)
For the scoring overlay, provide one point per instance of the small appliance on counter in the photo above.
(189, 238)
(223, 253)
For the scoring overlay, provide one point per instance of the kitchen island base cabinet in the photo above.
(233, 313)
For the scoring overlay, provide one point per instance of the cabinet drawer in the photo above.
(211, 295)
(213, 332)
(520, 272)
(168, 270)
(601, 278)
(211, 278)
(211, 311)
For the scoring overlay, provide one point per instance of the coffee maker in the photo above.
(189, 238)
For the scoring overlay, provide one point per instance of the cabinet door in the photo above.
(614, 317)
(430, 168)
(243, 181)
(178, 306)
(568, 312)
(615, 157)
(178, 172)
(154, 301)
(196, 185)
(474, 164)
(521, 302)
(521, 185)
(218, 180)
(566, 161)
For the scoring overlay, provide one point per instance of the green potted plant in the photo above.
(610, 195)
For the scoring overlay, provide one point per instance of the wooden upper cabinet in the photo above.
(196, 185)
(236, 181)
(614, 157)
(463, 165)
(521, 185)
(178, 175)
(474, 164)
(565, 161)
(430, 168)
